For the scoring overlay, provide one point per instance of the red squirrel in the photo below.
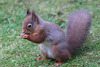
(53, 42)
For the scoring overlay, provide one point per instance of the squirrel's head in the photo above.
(30, 22)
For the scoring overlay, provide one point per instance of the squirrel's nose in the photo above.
(23, 30)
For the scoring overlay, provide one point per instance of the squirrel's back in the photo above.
(77, 29)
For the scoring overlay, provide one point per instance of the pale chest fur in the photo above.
(46, 47)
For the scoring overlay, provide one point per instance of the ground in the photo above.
(17, 52)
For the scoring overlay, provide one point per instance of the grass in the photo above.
(16, 52)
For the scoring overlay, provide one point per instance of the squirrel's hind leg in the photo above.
(60, 54)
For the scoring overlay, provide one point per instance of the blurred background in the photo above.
(16, 52)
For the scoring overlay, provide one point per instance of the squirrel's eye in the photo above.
(29, 25)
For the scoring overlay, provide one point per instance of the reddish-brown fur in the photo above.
(60, 55)
(77, 29)
(55, 44)
(37, 38)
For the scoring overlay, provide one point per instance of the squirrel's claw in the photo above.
(40, 59)
(58, 64)
(24, 36)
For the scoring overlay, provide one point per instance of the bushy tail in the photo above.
(77, 29)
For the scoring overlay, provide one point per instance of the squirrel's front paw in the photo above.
(24, 36)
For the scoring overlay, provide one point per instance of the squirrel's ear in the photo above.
(28, 12)
(35, 16)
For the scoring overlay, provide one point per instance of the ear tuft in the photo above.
(28, 11)
(35, 16)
